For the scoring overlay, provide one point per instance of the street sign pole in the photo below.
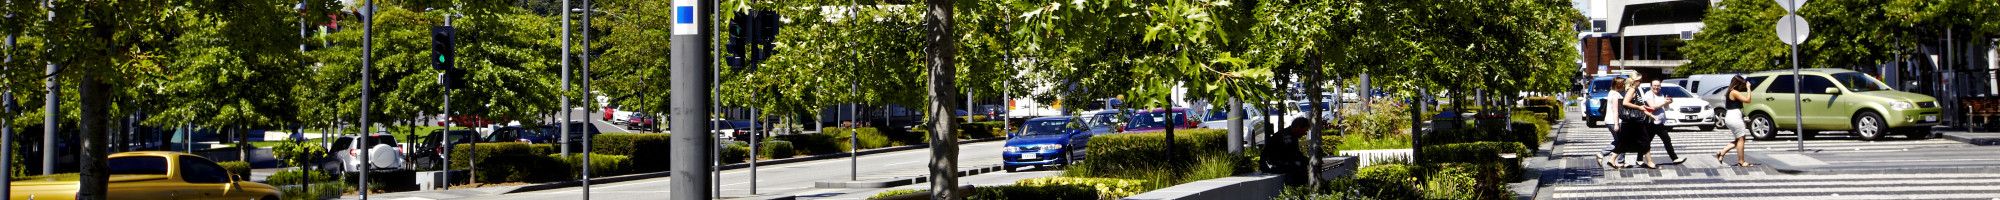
(1793, 30)
(691, 156)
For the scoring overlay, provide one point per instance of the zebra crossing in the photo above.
(1576, 175)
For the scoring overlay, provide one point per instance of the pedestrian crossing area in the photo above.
(1582, 142)
(1876, 186)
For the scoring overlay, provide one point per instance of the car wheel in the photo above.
(1592, 124)
(1761, 127)
(1011, 169)
(1918, 133)
(1868, 126)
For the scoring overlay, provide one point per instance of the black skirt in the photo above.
(1633, 137)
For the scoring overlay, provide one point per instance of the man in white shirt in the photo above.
(1659, 128)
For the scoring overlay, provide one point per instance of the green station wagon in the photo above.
(1836, 100)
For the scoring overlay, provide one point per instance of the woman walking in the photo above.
(1612, 100)
(1732, 117)
(1632, 137)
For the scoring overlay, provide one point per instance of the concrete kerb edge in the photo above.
(901, 181)
(648, 175)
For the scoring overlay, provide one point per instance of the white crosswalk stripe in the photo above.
(1899, 186)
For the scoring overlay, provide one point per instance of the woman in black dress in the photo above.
(1632, 137)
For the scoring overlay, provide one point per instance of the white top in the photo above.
(1654, 98)
(1613, 102)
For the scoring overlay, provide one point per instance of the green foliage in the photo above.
(1034, 192)
(601, 165)
(295, 177)
(1742, 37)
(1106, 188)
(1474, 152)
(648, 151)
(735, 153)
(868, 137)
(813, 144)
(298, 153)
(1527, 130)
(238, 168)
(1198, 155)
(776, 149)
(318, 190)
(1466, 181)
(896, 192)
(511, 162)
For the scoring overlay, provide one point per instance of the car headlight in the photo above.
(1050, 146)
(1901, 105)
(1012, 149)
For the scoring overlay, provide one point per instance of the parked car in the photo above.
(577, 129)
(641, 121)
(1159, 119)
(1593, 107)
(1219, 119)
(154, 175)
(426, 152)
(382, 152)
(1838, 100)
(518, 134)
(1045, 141)
(1687, 110)
(727, 130)
(1712, 88)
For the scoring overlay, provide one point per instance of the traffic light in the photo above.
(442, 49)
(751, 37)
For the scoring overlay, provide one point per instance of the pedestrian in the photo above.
(1732, 117)
(1632, 137)
(1281, 153)
(1610, 106)
(1659, 128)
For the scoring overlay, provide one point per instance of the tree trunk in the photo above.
(1313, 95)
(941, 46)
(91, 161)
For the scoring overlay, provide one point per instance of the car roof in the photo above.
(1802, 71)
(1055, 118)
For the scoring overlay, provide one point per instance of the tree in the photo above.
(1739, 35)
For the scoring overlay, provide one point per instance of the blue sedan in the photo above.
(1045, 141)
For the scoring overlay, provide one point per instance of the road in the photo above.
(795, 178)
(1573, 174)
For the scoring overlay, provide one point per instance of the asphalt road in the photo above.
(795, 178)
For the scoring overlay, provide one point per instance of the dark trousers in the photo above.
(1660, 130)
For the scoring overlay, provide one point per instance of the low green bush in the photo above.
(1526, 130)
(501, 162)
(896, 192)
(868, 137)
(294, 177)
(1465, 181)
(316, 191)
(1199, 154)
(776, 149)
(648, 151)
(734, 153)
(600, 164)
(1474, 152)
(238, 168)
(1107, 188)
(813, 144)
(1033, 192)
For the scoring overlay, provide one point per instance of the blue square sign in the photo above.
(684, 15)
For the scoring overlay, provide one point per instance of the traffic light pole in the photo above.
(367, 47)
(563, 126)
(586, 93)
(691, 157)
(445, 81)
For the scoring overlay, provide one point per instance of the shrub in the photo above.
(735, 153)
(813, 144)
(298, 153)
(1383, 119)
(1465, 181)
(1106, 188)
(600, 164)
(1530, 132)
(238, 168)
(1199, 155)
(318, 190)
(1366, 142)
(868, 137)
(1034, 192)
(1475, 152)
(295, 177)
(648, 152)
(896, 192)
(776, 149)
(511, 162)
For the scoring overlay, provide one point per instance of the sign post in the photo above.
(1794, 30)
(691, 50)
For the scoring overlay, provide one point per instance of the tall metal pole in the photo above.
(367, 48)
(1798, 109)
(563, 126)
(589, 98)
(445, 140)
(754, 134)
(49, 103)
(692, 158)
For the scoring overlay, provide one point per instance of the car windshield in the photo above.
(1104, 119)
(1045, 127)
(383, 139)
(1859, 82)
(138, 165)
(1147, 120)
(1675, 92)
(1600, 85)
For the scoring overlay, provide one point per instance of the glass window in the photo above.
(389, 140)
(1754, 80)
(198, 170)
(343, 143)
(1675, 92)
(1815, 85)
(138, 165)
(1781, 84)
(1148, 120)
(1859, 82)
(1045, 127)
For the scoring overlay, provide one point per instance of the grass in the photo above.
(1365, 142)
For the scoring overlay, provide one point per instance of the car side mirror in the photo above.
(1831, 90)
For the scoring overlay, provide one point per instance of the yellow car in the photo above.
(153, 175)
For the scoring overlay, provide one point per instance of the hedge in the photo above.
(1527, 130)
(1106, 188)
(735, 152)
(776, 149)
(1467, 181)
(869, 138)
(238, 168)
(813, 144)
(600, 164)
(1199, 155)
(647, 151)
(294, 177)
(511, 162)
(1033, 192)
(1483, 154)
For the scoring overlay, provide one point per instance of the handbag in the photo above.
(1630, 115)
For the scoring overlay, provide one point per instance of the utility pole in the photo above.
(50, 101)
(445, 82)
(367, 48)
(692, 48)
(589, 98)
(563, 126)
